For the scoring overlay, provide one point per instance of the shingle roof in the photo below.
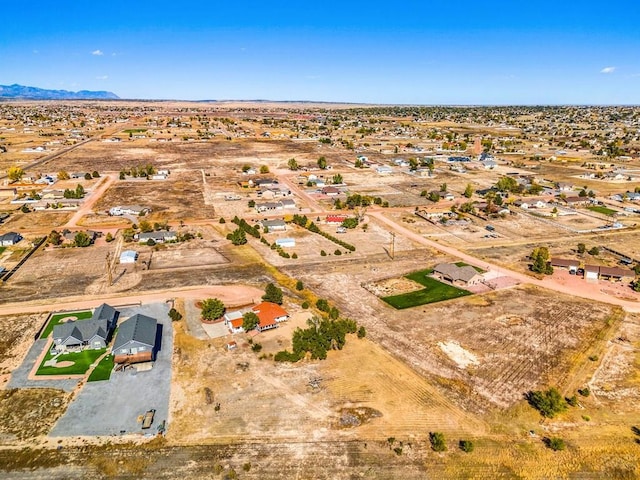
(139, 328)
(454, 272)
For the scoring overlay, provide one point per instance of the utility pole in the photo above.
(393, 245)
(109, 272)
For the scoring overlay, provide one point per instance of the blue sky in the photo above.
(429, 52)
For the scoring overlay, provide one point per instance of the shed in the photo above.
(128, 256)
(286, 242)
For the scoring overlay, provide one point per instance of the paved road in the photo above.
(584, 290)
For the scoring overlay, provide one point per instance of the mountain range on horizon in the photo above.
(16, 91)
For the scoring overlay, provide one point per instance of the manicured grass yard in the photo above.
(55, 320)
(103, 370)
(434, 291)
(81, 362)
(602, 210)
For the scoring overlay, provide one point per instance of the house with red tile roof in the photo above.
(269, 314)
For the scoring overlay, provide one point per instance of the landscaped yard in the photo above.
(602, 210)
(74, 363)
(103, 369)
(56, 319)
(434, 291)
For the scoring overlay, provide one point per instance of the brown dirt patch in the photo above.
(63, 364)
(28, 413)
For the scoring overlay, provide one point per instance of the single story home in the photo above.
(92, 333)
(274, 225)
(233, 320)
(330, 191)
(268, 206)
(135, 341)
(128, 256)
(269, 314)
(9, 239)
(160, 236)
(384, 170)
(288, 203)
(450, 272)
(129, 210)
(571, 265)
(335, 219)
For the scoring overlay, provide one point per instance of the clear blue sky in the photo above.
(429, 52)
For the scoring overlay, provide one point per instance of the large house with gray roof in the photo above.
(135, 341)
(457, 275)
(93, 333)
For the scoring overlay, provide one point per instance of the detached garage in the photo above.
(128, 256)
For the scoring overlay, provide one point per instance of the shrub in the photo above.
(573, 401)
(305, 305)
(554, 443)
(222, 220)
(585, 392)
(175, 315)
(549, 402)
(256, 347)
(362, 332)
(438, 443)
(466, 446)
(322, 305)
(323, 253)
(299, 285)
(337, 252)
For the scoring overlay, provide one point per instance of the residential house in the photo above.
(617, 273)
(161, 236)
(265, 182)
(93, 333)
(9, 239)
(129, 210)
(384, 170)
(274, 225)
(336, 219)
(577, 201)
(9, 192)
(135, 341)
(233, 320)
(269, 315)
(269, 207)
(288, 203)
(330, 191)
(463, 276)
(571, 265)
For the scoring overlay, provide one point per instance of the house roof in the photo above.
(139, 328)
(616, 272)
(10, 237)
(336, 218)
(268, 312)
(159, 235)
(454, 272)
(563, 262)
(128, 254)
(273, 223)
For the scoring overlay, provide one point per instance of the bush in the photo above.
(438, 443)
(175, 315)
(337, 252)
(305, 305)
(585, 392)
(323, 253)
(299, 285)
(573, 401)
(222, 220)
(362, 332)
(594, 251)
(322, 305)
(554, 443)
(549, 402)
(256, 347)
(466, 446)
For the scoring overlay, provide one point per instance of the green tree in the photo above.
(548, 402)
(322, 163)
(595, 251)
(212, 309)
(264, 169)
(555, 443)
(63, 175)
(362, 332)
(582, 248)
(437, 440)
(293, 164)
(272, 294)
(434, 197)
(24, 208)
(109, 238)
(15, 173)
(466, 446)
(468, 191)
(350, 222)
(122, 176)
(175, 315)
(237, 237)
(540, 257)
(507, 184)
(81, 239)
(95, 174)
(299, 285)
(443, 187)
(337, 178)
(250, 321)
(87, 176)
(145, 226)
(246, 167)
(54, 238)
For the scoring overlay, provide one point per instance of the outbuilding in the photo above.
(128, 256)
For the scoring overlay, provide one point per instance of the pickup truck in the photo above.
(148, 419)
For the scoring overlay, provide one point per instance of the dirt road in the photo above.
(88, 204)
(583, 290)
(231, 295)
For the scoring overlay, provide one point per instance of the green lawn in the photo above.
(103, 370)
(2, 249)
(81, 362)
(55, 320)
(602, 210)
(434, 291)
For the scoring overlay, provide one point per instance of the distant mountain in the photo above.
(34, 93)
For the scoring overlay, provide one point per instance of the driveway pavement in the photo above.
(112, 407)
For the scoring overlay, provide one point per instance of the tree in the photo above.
(264, 169)
(109, 238)
(582, 248)
(636, 286)
(555, 443)
(293, 164)
(337, 178)
(250, 321)
(438, 443)
(237, 237)
(95, 174)
(443, 187)
(81, 240)
(350, 222)
(549, 402)
(272, 294)
(466, 446)
(121, 177)
(87, 176)
(15, 173)
(507, 184)
(362, 332)
(540, 257)
(246, 167)
(63, 175)
(299, 285)
(175, 315)
(595, 251)
(434, 197)
(54, 238)
(468, 191)
(212, 309)
(322, 163)
(145, 226)
(24, 208)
